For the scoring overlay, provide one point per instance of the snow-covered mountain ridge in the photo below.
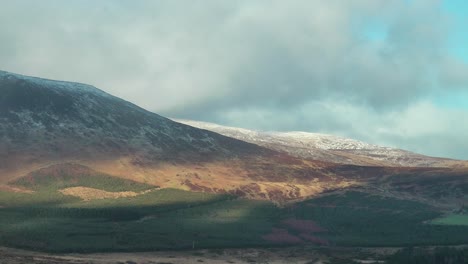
(329, 148)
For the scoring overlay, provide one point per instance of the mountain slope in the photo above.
(45, 120)
(37, 109)
(329, 148)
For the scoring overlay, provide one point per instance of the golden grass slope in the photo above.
(279, 178)
(88, 194)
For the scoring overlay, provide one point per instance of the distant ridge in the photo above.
(329, 148)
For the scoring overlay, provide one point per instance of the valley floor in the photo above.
(293, 255)
(289, 255)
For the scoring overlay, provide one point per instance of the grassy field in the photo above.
(454, 219)
(175, 219)
(47, 183)
(444, 255)
(163, 219)
(358, 219)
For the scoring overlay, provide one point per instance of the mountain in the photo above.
(45, 122)
(57, 126)
(50, 121)
(67, 118)
(329, 148)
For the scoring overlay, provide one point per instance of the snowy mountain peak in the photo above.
(314, 140)
(327, 142)
(328, 148)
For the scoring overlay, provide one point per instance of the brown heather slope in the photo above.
(279, 181)
(273, 178)
(48, 125)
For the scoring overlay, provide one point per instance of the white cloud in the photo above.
(423, 127)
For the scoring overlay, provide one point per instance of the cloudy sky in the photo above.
(391, 72)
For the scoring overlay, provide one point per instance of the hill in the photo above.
(329, 148)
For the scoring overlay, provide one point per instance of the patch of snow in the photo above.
(306, 139)
(312, 143)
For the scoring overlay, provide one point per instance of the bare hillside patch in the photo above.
(8, 188)
(88, 194)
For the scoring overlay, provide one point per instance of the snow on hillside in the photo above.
(324, 147)
(306, 139)
(53, 84)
